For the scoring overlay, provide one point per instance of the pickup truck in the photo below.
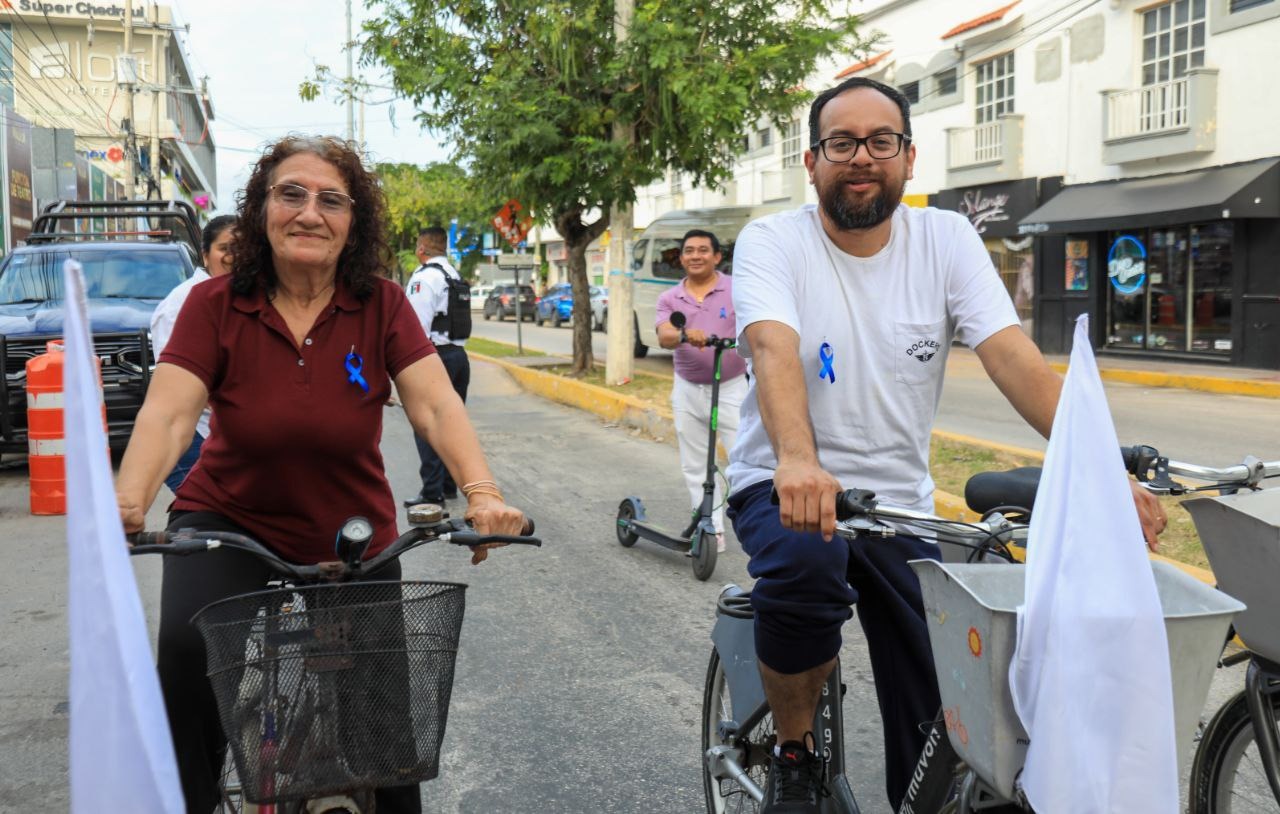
(127, 271)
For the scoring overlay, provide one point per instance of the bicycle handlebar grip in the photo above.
(1138, 459)
(140, 538)
(854, 502)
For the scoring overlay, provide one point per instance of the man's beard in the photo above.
(848, 214)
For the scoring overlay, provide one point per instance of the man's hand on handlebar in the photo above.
(488, 514)
(806, 497)
(133, 515)
(1150, 513)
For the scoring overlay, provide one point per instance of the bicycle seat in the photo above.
(989, 490)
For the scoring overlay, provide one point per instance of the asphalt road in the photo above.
(1196, 427)
(580, 676)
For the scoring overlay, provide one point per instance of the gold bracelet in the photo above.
(484, 491)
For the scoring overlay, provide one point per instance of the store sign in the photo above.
(1127, 264)
(993, 209)
(81, 9)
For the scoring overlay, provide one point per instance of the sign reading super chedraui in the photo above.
(78, 8)
(993, 209)
(17, 136)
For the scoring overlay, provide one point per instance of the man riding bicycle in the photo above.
(846, 312)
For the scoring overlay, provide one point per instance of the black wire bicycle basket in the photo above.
(332, 688)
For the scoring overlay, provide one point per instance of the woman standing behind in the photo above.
(215, 243)
(295, 351)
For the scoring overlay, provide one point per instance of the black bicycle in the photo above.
(329, 686)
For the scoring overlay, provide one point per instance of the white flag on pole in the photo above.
(121, 752)
(1090, 674)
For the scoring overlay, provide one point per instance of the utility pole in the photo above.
(351, 88)
(129, 70)
(155, 102)
(619, 363)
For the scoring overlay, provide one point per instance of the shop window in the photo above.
(1170, 289)
(994, 88)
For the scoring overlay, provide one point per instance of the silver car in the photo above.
(599, 307)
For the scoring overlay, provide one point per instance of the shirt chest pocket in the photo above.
(917, 349)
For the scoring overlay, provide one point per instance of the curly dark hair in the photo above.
(366, 254)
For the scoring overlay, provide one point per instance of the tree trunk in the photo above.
(577, 237)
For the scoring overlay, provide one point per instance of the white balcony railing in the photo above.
(1148, 110)
(983, 144)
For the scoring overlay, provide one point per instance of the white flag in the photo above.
(121, 752)
(1090, 674)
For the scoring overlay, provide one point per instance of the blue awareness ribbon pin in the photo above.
(723, 313)
(355, 365)
(826, 356)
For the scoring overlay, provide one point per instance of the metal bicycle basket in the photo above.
(332, 688)
(972, 617)
(1241, 537)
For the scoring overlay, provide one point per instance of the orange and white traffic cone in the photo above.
(46, 436)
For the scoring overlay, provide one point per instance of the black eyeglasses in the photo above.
(328, 201)
(842, 149)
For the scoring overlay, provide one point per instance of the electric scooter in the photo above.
(698, 540)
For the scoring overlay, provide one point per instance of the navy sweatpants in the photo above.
(802, 596)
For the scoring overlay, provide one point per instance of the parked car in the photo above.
(555, 306)
(479, 293)
(125, 279)
(501, 302)
(599, 307)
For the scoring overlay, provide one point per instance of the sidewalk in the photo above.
(1207, 377)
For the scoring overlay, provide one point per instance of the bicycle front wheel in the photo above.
(727, 796)
(1227, 775)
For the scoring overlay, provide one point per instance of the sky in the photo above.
(256, 52)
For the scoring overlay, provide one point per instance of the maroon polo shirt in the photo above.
(293, 450)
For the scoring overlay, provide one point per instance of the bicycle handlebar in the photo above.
(1154, 471)
(189, 541)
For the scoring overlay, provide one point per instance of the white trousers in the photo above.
(691, 405)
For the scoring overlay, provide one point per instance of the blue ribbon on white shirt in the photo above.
(826, 356)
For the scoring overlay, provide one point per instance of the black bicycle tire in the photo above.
(714, 687)
(704, 562)
(1222, 739)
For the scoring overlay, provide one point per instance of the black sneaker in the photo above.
(795, 782)
(420, 498)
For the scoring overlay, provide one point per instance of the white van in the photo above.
(656, 256)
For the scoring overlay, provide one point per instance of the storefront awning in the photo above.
(1249, 190)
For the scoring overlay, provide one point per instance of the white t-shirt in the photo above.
(429, 296)
(874, 336)
(162, 322)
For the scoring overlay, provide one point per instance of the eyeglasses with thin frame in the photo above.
(842, 149)
(328, 201)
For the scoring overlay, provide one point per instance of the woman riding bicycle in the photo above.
(295, 350)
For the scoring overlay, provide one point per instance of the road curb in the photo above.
(626, 411)
(1207, 384)
(635, 414)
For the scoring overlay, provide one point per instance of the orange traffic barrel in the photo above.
(46, 436)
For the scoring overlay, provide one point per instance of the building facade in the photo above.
(62, 68)
(1118, 159)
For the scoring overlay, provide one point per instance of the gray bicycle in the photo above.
(975, 747)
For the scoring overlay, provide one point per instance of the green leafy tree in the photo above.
(529, 90)
(433, 195)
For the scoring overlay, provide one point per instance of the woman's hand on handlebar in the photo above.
(695, 337)
(133, 515)
(1150, 514)
(488, 514)
(806, 497)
